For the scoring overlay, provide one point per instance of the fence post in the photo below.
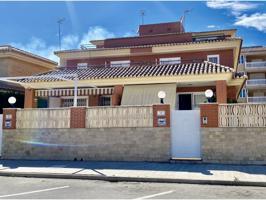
(77, 117)
(161, 115)
(209, 115)
(9, 118)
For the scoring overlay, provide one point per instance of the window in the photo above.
(241, 59)
(199, 98)
(69, 101)
(82, 65)
(120, 63)
(214, 58)
(105, 101)
(175, 60)
(207, 38)
(243, 93)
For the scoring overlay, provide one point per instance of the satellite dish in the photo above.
(12, 100)
(209, 93)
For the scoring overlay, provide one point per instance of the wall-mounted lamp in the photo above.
(161, 95)
(12, 100)
(209, 94)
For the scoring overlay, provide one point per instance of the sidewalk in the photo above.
(138, 171)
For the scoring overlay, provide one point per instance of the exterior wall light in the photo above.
(161, 95)
(209, 94)
(12, 100)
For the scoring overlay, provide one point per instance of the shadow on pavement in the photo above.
(205, 169)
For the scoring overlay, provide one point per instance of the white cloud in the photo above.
(211, 26)
(257, 20)
(40, 47)
(235, 7)
(95, 33)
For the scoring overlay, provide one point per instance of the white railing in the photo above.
(122, 116)
(257, 99)
(253, 65)
(242, 115)
(256, 82)
(43, 118)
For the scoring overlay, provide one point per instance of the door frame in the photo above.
(192, 99)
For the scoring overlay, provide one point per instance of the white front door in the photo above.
(185, 134)
(1, 129)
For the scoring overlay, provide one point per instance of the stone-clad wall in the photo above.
(114, 144)
(234, 145)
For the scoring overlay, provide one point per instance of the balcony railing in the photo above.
(257, 99)
(255, 65)
(256, 82)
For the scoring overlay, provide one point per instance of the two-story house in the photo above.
(132, 70)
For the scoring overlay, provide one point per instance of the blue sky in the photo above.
(32, 26)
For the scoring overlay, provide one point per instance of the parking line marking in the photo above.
(155, 195)
(35, 191)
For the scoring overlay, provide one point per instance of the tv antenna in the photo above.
(182, 19)
(60, 22)
(142, 14)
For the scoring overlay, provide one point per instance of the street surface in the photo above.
(35, 188)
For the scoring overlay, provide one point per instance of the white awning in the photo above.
(70, 92)
(148, 94)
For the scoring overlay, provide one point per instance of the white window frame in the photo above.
(214, 56)
(79, 97)
(172, 60)
(120, 63)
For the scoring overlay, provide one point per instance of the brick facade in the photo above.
(161, 28)
(77, 117)
(29, 101)
(226, 57)
(117, 95)
(232, 93)
(210, 113)
(195, 89)
(94, 100)
(157, 109)
(9, 118)
(148, 40)
(221, 91)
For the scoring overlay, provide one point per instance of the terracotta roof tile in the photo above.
(132, 71)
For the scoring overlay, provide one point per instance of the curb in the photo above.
(132, 179)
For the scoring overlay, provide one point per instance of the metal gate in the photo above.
(185, 134)
(1, 129)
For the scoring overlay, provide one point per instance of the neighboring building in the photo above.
(16, 62)
(253, 62)
(131, 70)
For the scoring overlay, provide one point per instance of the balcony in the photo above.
(256, 84)
(255, 66)
(256, 99)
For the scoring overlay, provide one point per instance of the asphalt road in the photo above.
(35, 188)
